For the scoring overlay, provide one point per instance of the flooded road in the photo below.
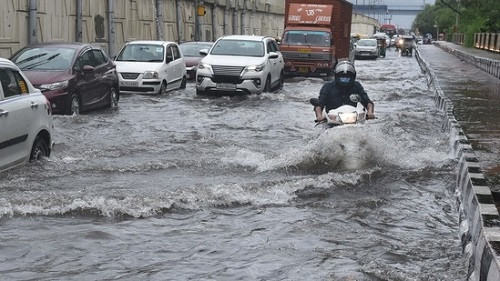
(181, 187)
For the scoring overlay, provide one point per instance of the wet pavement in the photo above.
(475, 95)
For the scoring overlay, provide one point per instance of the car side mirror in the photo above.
(273, 55)
(203, 52)
(88, 69)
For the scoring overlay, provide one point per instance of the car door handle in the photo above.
(34, 105)
(3, 113)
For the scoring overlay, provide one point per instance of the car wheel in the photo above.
(200, 93)
(163, 88)
(113, 98)
(40, 149)
(183, 83)
(267, 85)
(74, 105)
(282, 81)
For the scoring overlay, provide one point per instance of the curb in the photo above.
(479, 218)
(487, 65)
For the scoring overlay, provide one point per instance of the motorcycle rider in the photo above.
(343, 90)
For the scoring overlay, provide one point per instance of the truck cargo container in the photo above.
(316, 36)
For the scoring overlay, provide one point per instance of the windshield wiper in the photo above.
(31, 58)
(41, 62)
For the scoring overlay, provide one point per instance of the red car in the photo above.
(73, 76)
(191, 53)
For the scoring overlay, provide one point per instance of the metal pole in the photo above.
(159, 19)
(243, 14)
(111, 29)
(180, 35)
(33, 16)
(79, 21)
(214, 24)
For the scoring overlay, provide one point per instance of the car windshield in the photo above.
(311, 38)
(141, 53)
(44, 58)
(238, 48)
(193, 50)
(367, 43)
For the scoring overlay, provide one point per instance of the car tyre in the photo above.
(163, 88)
(267, 85)
(200, 92)
(40, 149)
(183, 83)
(74, 105)
(281, 81)
(113, 98)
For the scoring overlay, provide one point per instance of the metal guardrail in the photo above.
(487, 41)
(483, 41)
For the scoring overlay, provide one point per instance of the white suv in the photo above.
(150, 67)
(25, 119)
(240, 64)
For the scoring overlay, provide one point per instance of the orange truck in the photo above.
(316, 36)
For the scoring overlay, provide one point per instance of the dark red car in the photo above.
(191, 54)
(73, 76)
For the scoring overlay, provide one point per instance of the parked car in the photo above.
(192, 56)
(366, 48)
(241, 64)
(151, 67)
(73, 76)
(25, 119)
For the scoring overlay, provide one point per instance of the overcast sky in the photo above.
(401, 21)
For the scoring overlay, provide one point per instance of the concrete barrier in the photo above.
(478, 216)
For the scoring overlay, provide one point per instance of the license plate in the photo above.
(303, 69)
(129, 83)
(226, 86)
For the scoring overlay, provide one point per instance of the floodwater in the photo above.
(180, 187)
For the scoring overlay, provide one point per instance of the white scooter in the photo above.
(345, 114)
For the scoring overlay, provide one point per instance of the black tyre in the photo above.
(267, 85)
(75, 106)
(40, 149)
(183, 83)
(282, 81)
(163, 88)
(113, 98)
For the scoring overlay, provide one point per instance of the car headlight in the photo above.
(55, 86)
(150, 75)
(256, 68)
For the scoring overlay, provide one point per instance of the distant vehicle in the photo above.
(428, 38)
(366, 48)
(406, 45)
(73, 76)
(316, 36)
(25, 119)
(192, 56)
(240, 64)
(388, 29)
(151, 67)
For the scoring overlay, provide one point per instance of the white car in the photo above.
(150, 67)
(366, 48)
(241, 64)
(25, 119)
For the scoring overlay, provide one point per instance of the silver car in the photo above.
(366, 48)
(25, 119)
(245, 64)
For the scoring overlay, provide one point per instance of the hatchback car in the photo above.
(73, 76)
(366, 48)
(151, 67)
(192, 56)
(241, 64)
(25, 119)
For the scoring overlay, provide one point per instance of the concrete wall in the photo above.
(175, 20)
(478, 215)
(363, 26)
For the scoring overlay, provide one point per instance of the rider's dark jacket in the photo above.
(332, 96)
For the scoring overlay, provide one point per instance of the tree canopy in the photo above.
(464, 16)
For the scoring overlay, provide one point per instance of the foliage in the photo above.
(473, 16)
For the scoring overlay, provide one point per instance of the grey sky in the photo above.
(401, 21)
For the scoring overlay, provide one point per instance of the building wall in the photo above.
(363, 26)
(56, 20)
